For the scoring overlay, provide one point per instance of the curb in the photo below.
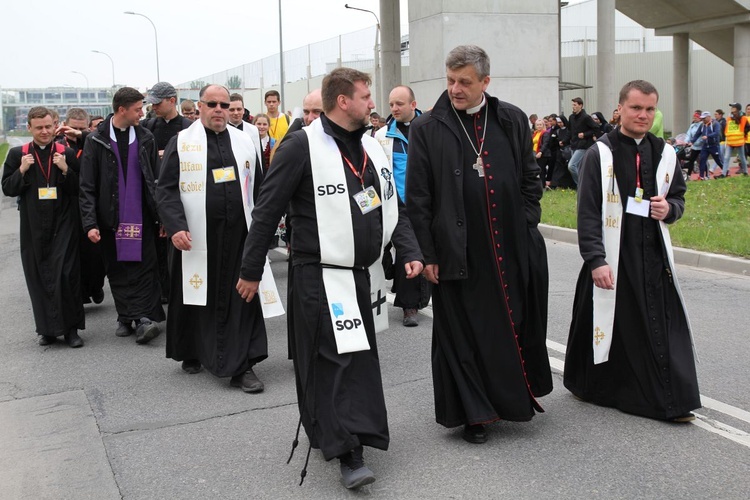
(682, 256)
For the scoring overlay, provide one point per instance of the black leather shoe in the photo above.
(124, 330)
(146, 331)
(98, 296)
(354, 472)
(191, 366)
(474, 434)
(248, 382)
(46, 339)
(73, 340)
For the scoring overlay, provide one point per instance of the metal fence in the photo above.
(354, 49)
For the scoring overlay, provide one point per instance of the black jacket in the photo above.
(434, 186)
(582, 122)
(99, 194)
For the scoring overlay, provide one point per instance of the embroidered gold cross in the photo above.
(196, 281)
(598, 335)
(269, 297)
(132, 231)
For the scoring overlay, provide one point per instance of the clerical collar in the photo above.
(40, 146)
(475, 109)
(341, 132)
(626, 139)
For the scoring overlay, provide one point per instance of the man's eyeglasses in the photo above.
(213, 104)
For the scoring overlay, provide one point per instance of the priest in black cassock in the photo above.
(221, 331)
(118, 211)
(44, 175)
(472, 193)
(630, 344)
(336, 181)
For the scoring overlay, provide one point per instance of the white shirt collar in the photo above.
(476, 108)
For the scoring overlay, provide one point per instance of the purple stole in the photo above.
(129, 234)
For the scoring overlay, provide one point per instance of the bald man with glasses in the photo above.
(209, 178)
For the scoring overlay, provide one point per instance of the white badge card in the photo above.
(48, 193)
(367, 200)
(638, 207)
(223, 174)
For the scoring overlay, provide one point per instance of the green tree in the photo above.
(197, 84)
(234, 82)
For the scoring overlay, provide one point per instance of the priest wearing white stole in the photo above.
(630, 344)
(209, 177)
(342, 203)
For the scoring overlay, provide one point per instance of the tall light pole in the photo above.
(376, 57)
(86, 77)
(111, 61)
(156, 39)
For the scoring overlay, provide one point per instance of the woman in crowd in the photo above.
(604, 127)
(266, 141)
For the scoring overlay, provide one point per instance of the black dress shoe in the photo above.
(98, 296)
(248, 382)
(72, 339)
(123, 329)
(146, 331)
(46, 339)
(474, 434)
(191, 366)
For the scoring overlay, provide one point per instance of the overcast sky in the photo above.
(46, 40)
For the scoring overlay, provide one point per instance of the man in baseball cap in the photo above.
(159, 92)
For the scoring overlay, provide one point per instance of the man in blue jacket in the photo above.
(414, 294)
(710, 132)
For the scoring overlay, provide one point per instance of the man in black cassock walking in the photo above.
(338, 185)
(118, 172)
(472, 192)
(225, 334)
(44, 175)
(630, 345)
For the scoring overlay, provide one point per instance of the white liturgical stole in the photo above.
(612, 219)
(336, 234)
(192, 148)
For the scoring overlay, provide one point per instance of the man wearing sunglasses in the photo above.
(209, 178)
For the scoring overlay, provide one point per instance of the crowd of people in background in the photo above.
(559, 142)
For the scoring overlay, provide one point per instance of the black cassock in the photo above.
(651, 368)
(50, 230)
(227, 335)
(344, 392)
(477, 362)
(134, 285)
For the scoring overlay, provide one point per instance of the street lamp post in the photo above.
(111, 61)
(86, 77)
(156, 39)
(376, 57)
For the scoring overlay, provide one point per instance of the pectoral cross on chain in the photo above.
(479, 166)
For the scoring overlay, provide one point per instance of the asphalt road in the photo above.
(118, 420)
